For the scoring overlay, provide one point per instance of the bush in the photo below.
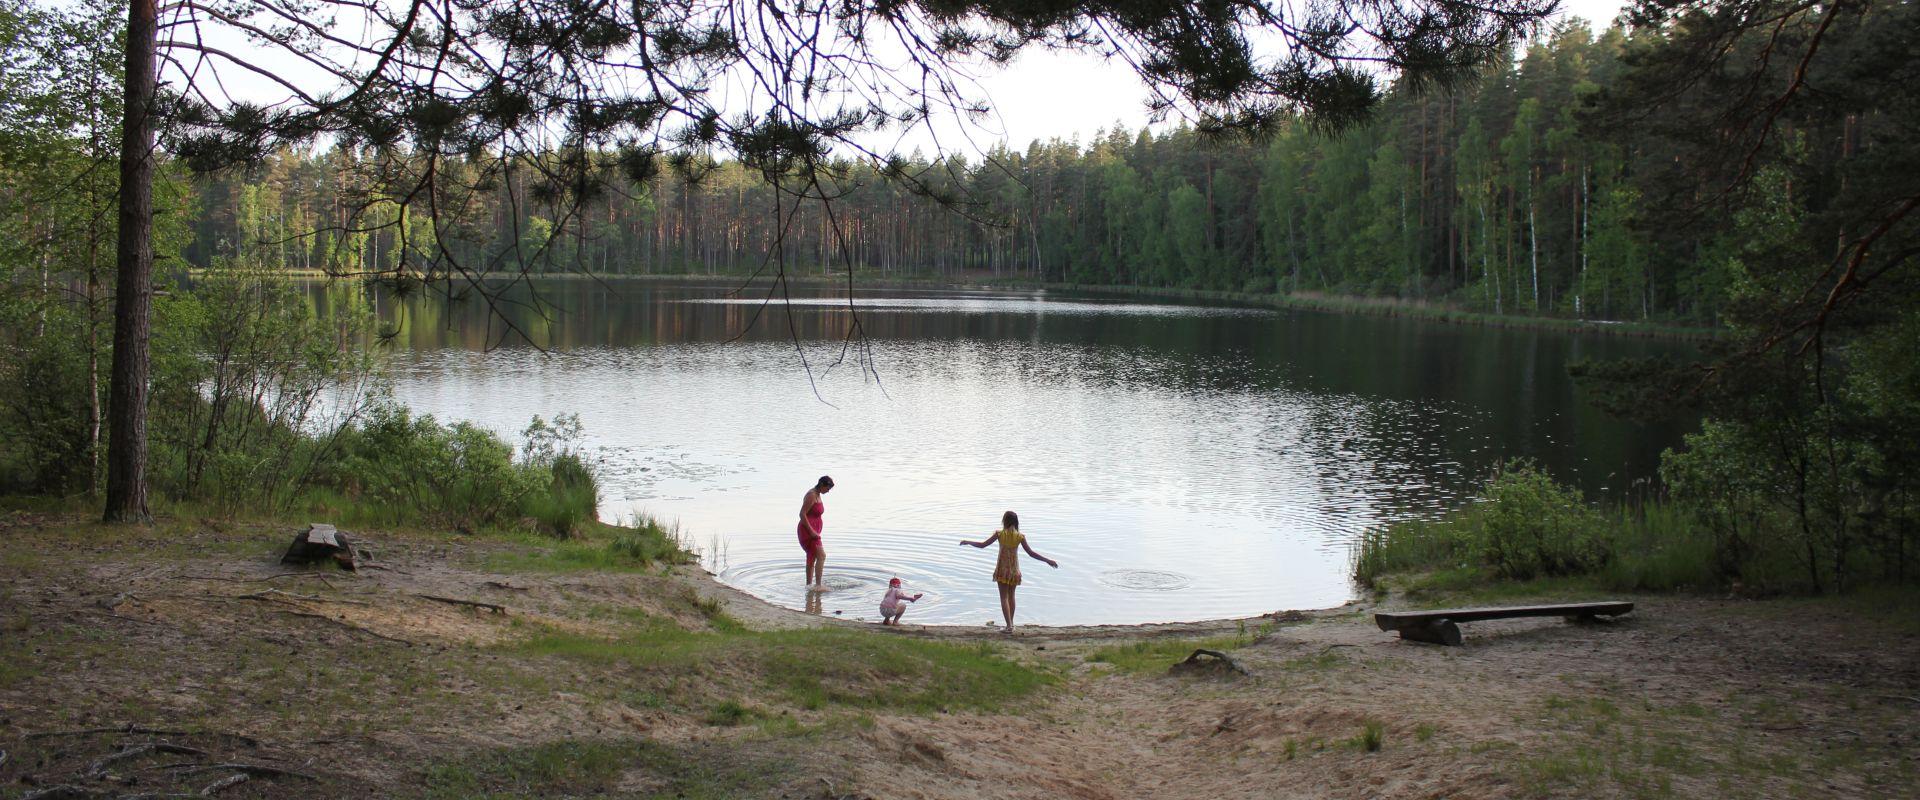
(1521, 526)
(645, 543)
(1530, 526)
(571, 500)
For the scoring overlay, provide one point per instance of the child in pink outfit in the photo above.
(893, 605)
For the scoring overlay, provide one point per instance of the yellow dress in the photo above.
(1007, 571)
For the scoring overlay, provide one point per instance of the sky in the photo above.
(1039, 96)
(1066, 95)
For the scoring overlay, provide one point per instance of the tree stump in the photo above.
(320, 542)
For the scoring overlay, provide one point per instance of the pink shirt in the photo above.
(891, 602)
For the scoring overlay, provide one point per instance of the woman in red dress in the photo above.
(812, 513)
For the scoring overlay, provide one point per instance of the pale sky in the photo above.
(1044, 95)
(1040, 95)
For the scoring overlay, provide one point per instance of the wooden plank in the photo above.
(1402, 620)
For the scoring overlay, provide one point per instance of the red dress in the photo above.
(810, 527)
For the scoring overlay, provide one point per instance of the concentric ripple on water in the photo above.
(1145, 580)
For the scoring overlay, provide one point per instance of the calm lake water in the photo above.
(1181, 461)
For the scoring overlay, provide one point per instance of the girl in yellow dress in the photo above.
(1006, 572)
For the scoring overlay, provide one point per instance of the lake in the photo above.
(1180, 460)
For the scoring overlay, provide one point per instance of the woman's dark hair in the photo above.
(1010, 520)
(825, 480)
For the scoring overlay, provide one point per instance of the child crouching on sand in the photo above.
(893, 605)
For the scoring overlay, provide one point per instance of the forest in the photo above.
(1517, 194)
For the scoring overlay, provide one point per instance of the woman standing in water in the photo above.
(1006, 572)
(812, 521)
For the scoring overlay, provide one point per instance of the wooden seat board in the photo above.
(1398, 620)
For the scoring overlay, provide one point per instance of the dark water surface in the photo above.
(1181, 461)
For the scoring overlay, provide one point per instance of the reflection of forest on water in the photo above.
(1431, 376)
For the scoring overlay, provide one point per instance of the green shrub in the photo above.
(416, 469)
(571, 500)
(1530, 526)
(1521, 526)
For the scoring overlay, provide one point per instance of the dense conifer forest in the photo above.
(1519, 194)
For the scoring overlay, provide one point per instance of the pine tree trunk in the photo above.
(133, 300)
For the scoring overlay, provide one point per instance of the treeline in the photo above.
(1494, 198)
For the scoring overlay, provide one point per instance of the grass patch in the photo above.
(596, 547)
(816, 668)
(729, 713)
(580, 768)
(1156, 655)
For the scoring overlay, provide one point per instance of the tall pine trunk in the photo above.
(133, 299)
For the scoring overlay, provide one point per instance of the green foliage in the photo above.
(1522, 525)
(1531, 526)
(572, 497)
(1492, 200)
(638, 546)
(1537, 537)
(254, 387)
(1371, 736)
(414, 468)
(729, 713)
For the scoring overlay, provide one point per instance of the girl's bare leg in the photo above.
(1006, 604)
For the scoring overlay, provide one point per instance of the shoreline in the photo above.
(752, 608)
(1357, 305)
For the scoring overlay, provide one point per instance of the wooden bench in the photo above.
(1443, 626)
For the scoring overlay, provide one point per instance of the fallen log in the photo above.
(349, 626)
(99, 768)
(136, 729)
(275, 595)
(493, 607)
(62, 792)
(225, 783)
(254, 770)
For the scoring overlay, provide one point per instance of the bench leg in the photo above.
(1440, 631)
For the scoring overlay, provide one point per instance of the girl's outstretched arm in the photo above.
(1029, 548)
(981, 543)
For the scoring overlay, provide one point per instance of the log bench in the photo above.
(1443, 626)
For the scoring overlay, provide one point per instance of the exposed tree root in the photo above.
(493, 607)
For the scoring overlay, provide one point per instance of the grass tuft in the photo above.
(1372, 734)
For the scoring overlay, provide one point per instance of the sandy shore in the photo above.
(369, 687)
